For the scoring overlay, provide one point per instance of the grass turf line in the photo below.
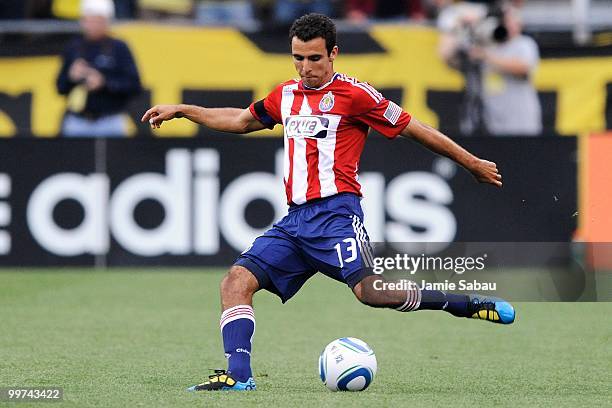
(138, 338)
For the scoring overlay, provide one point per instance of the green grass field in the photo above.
(135, 338)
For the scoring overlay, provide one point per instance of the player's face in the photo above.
(312, 61)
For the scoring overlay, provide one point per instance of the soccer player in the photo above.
(326, 117)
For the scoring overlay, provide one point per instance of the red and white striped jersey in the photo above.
(325, 132)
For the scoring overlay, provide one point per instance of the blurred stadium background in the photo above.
(74, 213)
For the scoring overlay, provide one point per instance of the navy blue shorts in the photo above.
(324, 236)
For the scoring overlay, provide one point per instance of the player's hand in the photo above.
(159, 113)
(486, 172)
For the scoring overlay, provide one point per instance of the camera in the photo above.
(492, 28)
(482, 26)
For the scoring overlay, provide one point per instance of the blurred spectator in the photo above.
(285, 11)
(238, 13)
(511, 103)
(98, 75)
(497, 60)
(361, 10)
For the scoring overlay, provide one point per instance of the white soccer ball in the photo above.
(347, 364)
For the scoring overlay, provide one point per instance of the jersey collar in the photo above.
(333, 78)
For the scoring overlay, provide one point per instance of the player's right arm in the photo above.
(231, 120)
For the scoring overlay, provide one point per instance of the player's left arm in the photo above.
(391, 120)
(483, 170)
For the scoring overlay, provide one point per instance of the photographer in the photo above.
(487, 45)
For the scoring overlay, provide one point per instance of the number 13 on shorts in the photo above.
(347, 246)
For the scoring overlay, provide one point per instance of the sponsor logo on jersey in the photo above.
(327, 102)
(309, 126)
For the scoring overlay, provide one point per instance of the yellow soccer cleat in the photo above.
(221, 380)
(492, 309)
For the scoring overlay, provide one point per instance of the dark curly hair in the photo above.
(313, 26)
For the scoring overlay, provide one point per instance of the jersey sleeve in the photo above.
(379, 113)
(267, 110)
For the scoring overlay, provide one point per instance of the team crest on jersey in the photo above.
(327, 102)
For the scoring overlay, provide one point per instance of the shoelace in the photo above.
(217, 373)
(477, 304)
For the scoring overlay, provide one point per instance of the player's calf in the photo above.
(238, 287)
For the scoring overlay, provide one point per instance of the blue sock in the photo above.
(237, 329)
(432, 300)
(457, 305)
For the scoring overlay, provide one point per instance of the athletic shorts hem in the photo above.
(262, 277)
(353, 279)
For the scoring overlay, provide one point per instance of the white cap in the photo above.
(104, 8)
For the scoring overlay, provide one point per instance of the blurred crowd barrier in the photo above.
(227, 67)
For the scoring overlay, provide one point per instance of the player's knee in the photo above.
(238, 282)
(364, 299)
